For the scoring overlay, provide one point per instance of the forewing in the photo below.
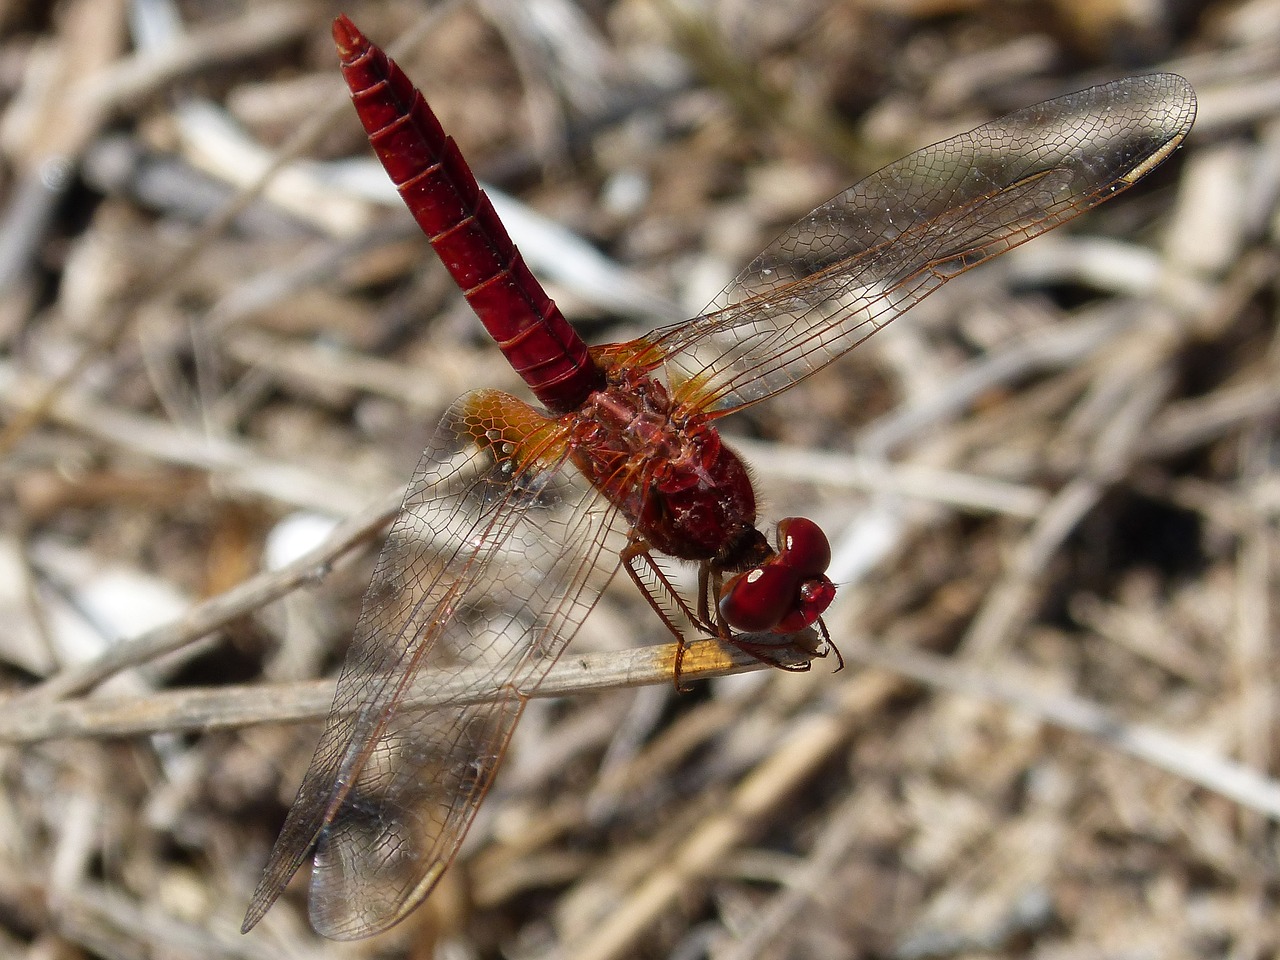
(491, 564)
(874, 251)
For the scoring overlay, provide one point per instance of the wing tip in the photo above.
(343, 917)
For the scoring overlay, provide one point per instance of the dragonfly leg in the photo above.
(829, 644)
(660, 592)
(772, 654)
(780, 651)
(709, 583)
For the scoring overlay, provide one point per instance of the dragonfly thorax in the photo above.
(683, 490)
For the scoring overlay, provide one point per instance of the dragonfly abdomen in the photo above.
(442, 194)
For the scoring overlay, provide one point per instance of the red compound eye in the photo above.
(756, 600)
(803, 546)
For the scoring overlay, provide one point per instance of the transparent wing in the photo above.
(492, 563)
(879, 248)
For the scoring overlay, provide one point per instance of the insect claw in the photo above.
(830, 645)
(678, 667)
(839, 657)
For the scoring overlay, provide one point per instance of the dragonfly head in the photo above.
(789, 590)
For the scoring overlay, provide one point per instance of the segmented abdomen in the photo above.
(442, 194)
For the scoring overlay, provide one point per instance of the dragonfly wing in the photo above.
(874, 251)
(492, 564)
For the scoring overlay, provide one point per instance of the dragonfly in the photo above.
(518, 515)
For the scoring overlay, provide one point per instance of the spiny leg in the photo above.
(659, 591)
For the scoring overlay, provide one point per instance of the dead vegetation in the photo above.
(1053, 487)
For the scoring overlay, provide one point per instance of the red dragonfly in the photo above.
(625, 461)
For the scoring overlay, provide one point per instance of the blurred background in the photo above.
(1052, 488)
